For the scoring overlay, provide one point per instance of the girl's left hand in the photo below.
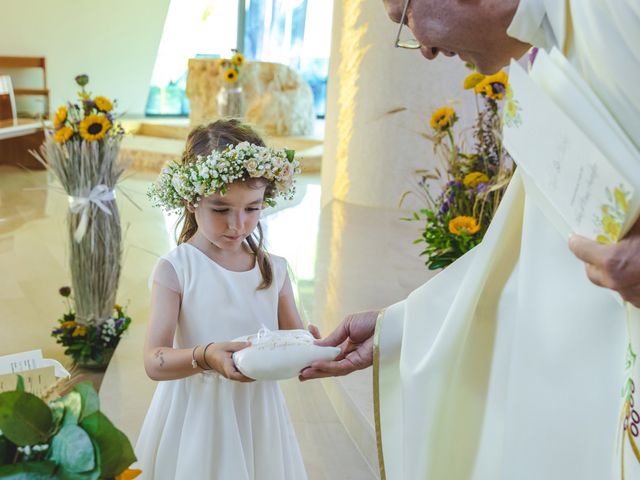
(313, 330)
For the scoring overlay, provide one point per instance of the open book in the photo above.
(576, 159)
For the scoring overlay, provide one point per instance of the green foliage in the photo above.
(69, 439)
(24, 418)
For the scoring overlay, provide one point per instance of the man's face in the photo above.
(475, 30)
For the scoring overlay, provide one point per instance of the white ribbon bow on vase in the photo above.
(98, 195)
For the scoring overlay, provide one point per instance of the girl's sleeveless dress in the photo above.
(205, 426)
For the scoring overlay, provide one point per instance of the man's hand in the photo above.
(615, 266)
(354, 336)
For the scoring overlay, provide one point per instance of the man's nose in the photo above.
(429, 52)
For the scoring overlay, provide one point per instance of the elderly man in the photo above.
(512, 363)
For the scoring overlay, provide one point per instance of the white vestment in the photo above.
(510, 364)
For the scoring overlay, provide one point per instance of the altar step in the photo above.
(150, 144)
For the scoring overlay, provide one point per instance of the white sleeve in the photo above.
(164, 274)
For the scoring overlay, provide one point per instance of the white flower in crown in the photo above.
(181, 184)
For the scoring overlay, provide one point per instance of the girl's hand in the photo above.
(219, 357)
(313, 330)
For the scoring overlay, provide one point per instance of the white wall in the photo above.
(115, 42)
(369, 156)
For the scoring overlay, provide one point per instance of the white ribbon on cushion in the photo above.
(98, 195)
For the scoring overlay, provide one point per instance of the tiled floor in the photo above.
(344, 258)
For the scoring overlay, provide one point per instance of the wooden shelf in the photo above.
(29, 62)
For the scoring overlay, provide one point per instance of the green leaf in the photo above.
(90, 399)
(290, 154)
(28, 471)
(20, 384)
(24, 418)
(72, 403)
(114, 447)
(73, 450)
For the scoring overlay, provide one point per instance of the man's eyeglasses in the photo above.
(411, 43)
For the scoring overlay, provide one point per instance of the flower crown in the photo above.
(189, 183)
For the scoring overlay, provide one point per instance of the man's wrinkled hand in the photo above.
(615, 266)
(354, 336)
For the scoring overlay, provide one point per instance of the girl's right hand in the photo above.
(219, 356)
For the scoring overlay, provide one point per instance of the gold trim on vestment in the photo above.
(568, 30)
(376, 391)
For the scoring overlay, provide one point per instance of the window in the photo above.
(292, 32)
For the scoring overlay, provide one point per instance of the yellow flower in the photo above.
(475, 178)
(443, 118)
(604, 240)
(79, 331)
(621, 199)
(493, 86)
(60, 117)
(611, 227)
(94, 127)
(103, 103)
(237, 59)
(118, 307)
(129, 474)
(462, 224)
(231, 75)
(68, 324)
(63, 134)
(472, 80)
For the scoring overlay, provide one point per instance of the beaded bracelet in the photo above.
(204, 355)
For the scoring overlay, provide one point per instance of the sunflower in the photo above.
(60, 117)
(69, 324)
(473, 179)
(129, 474)
(94, 127)
(443, 118)
(472, 80)
(231, 75)
(462, 224)
(63, 134)
(237, 59)
(79, 331)
(103, 104)
(493, 86)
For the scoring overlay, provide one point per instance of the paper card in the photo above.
(36, 381)
(19, 362)
(588, 192)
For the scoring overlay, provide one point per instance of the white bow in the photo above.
(99, 194)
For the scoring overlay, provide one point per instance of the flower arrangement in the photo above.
(82, 153)
(230, 99)
(67, 438)
(231, 67)
(182, 184)
(473, 182)
(87, 344)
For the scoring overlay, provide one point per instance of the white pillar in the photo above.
(370, 156)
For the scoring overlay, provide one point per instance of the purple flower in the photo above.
(119, 322)
(532, 56)
(498, 88)
(481, 187)
(57, 331)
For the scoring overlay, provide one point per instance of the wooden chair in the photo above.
(29, 62)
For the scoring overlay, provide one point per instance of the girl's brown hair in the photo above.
(217, 136)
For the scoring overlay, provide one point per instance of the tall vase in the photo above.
(88, 172)
(231, 102)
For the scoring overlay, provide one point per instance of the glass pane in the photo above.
(192, 28)
(293, 32)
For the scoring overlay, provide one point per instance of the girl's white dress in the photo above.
(205, 426)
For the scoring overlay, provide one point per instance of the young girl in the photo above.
(206, 419)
